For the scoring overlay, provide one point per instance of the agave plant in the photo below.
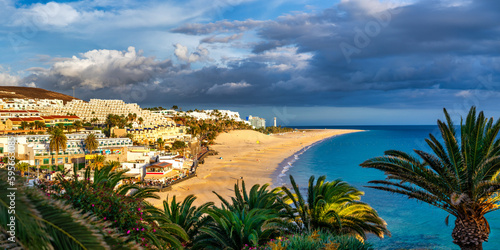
(460, 176)
(332, 206)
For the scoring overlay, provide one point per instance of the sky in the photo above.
(306, 62)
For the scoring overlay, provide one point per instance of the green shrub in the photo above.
(315, 240)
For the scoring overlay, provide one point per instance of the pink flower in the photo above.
(92, 205)
(154, 230)
(142, 229)
(139, 209)
(104, 218)
(128, 231)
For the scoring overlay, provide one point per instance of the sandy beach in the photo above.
(245, 153)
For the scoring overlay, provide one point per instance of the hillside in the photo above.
(27, 92)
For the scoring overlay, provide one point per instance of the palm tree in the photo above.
(23, 167)
(31, 125)
(69, 128)
(252, 218)
(43, 223)
(98, 162)
(460, 176)
(233, 229)
(161, 144)
(257, 198)
(24, 125)
(105, 179)
(140, 120)
(77, 125)
(39, 125)
(130, 136)
(187, 216)
(114, 165)
(57, 141)
(332, 206)
(91, 143)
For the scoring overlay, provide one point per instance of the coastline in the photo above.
(287, 163)
(248, 155)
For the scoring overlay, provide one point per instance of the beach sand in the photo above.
(245, 153)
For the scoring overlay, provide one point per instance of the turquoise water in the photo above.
(413, 224)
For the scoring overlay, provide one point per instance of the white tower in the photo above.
(275, 121)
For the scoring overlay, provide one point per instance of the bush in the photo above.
(123, 212)
(314, 241)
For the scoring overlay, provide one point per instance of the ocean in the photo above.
(413, 224)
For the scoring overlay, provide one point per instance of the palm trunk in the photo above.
(55, 163)
(470, 233)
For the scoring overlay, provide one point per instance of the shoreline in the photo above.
(282, 166)
(245, 155)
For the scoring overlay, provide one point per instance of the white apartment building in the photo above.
(257, 122)
(29, 104)
(35, 150)
(166, 112)
(18, 113)
(168, 133)
(100, 109)
(207, 114)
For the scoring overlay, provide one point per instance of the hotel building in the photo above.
(34, 149)
(203, 114)
(257, 122)
(150, 134)
(100, 109)
(29, 104)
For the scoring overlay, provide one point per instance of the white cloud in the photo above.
(97, 69)
(182, 53)
(7, 79)
(455, 3)
(371, 7)
(224, 39)
(50, 14)
(227, 88)
(284, 58)
(464, 93)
